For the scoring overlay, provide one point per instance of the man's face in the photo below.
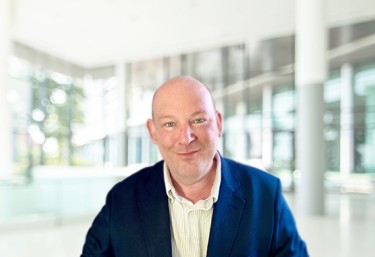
(186, 128)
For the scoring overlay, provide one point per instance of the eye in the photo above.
(198, 121)
(170, 124)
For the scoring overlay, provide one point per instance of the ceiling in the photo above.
(92, 33)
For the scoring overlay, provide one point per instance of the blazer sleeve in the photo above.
(97, 243)
(286, 241)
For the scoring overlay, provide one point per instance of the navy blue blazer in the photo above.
(250, 218)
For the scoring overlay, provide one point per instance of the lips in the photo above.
(188, 154)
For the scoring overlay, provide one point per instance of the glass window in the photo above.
(207, 67)
(140, 93)
(283, 106)
(59, 119)
(254, 131)
(236, 64)
(283, 150)
(20, 98)
(332, 96)
(283, 116)
(47, 106)
(96, 141)
(364, 90)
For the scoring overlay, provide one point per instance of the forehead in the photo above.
(182, 97)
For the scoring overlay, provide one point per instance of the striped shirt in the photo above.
(191, 223)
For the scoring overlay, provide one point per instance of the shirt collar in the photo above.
(171, 191)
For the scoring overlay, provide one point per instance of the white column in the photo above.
(267, 144)
(311, 69)
(5, 117)
(123, 110)
(347, 128)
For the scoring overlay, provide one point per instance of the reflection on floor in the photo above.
(347, 230)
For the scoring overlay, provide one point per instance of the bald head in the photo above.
(182, 86)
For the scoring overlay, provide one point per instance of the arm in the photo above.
(286, 241)
(98, 242)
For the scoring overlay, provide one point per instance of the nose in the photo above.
(186, 135)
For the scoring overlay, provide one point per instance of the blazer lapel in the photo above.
(226, 217)
(155, 215)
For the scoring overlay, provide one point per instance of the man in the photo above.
(194, 202)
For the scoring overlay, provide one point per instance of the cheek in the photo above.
(165, 138)
(210, 133)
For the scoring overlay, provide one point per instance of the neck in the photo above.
(198, 190)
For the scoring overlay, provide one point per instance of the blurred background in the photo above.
(77, 79)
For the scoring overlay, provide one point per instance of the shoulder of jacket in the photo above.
(141, 176)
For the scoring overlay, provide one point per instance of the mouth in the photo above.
(188, 154)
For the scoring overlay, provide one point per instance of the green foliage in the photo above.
(56, 107)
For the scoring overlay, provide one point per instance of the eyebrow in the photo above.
(166, 117)
(199, 113)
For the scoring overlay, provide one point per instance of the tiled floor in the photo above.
(347, 230)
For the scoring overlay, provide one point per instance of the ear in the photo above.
(151, 130)
(219, 121)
